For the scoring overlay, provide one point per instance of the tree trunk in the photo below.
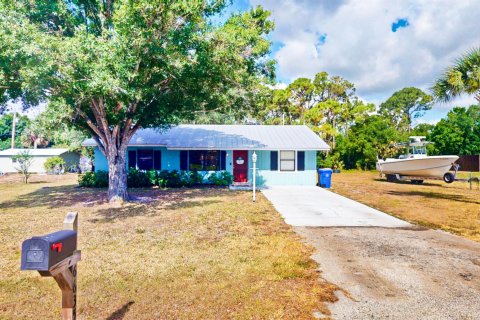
(117, 174)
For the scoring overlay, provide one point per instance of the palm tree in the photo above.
(462, 77)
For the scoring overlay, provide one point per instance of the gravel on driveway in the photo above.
(409, 273)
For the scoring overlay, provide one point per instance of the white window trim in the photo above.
(295, 160)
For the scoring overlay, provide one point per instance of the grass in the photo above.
(450, 207)
(171, 254)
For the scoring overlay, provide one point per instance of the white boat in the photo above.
(417, 163)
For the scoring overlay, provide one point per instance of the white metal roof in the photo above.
(228, 137)
(34, 152)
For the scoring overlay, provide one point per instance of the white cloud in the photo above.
(420, 120)
(16, 106)
(278, 85)
(462, 101)
(361, 46)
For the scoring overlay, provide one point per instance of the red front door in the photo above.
(240, 166)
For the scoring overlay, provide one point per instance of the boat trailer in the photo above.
(448, 177)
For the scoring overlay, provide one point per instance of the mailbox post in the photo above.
(56, 255)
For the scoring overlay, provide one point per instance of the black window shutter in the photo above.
(157, 160)
(132, 158)
(301, 161)
(273, 160)
(184, 160)
(223, 160)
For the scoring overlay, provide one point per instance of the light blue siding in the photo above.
(101, 163)
(229, 164)
(265, 177)
(170, 159)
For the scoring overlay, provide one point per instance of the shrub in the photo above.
(54, 164)
(153, 176)
(97, 179)
(330, 161)
(185, 179)
(177, 179)
(197, 178)
(191, 178)
(163, 178)
(138, 179)
(222, 178)
(174, 179)
(87, 179)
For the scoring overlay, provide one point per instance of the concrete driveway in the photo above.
(317, 207)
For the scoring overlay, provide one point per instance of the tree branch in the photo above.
(101, 147)
(94, 130)
(99, 113)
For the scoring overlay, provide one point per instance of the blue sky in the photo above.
(381, 46)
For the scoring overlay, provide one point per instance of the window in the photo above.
(195, 159)
(132, 159)
(145, 159)
(204, 160)
(287, 160)
(211, 161)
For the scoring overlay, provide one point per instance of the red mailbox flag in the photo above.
(57, 246)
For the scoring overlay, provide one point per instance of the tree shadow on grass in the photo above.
(145, 201)
(150, 202)
(58, 196)
(434, 195)
(120, 313)
(190, 204)
(114, 213)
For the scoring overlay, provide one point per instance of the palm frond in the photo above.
(462, 77)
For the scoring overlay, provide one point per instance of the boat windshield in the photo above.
(418, 150)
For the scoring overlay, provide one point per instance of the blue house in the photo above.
(286, 155)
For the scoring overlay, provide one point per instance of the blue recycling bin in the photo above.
(325, 177)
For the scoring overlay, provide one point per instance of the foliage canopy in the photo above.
(112, 67)
(458, 133)
(404, 106)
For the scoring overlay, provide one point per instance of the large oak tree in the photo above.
(115, 66)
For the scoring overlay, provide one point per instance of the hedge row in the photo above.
(163, 179)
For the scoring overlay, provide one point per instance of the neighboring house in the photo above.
(8, 163)
(286, 155)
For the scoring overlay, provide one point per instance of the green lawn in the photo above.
(172, 254)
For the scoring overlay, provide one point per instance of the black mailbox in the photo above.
(41, 253)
